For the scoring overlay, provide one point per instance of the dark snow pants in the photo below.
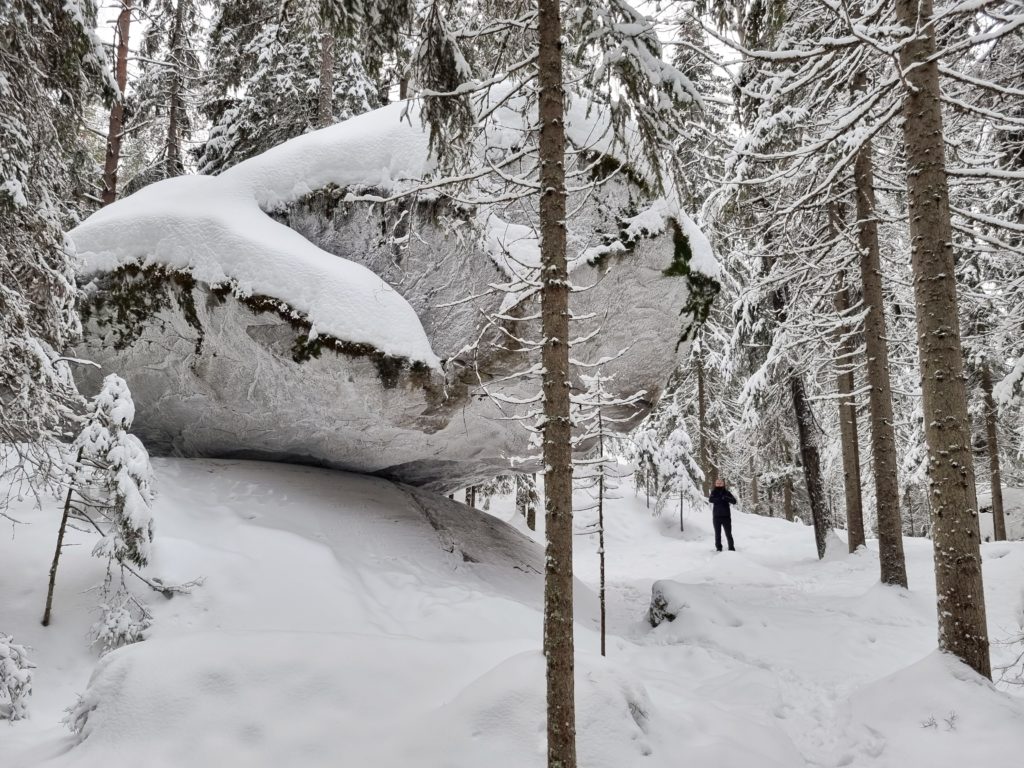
(723, 522)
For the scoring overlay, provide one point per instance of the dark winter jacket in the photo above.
(721, 498)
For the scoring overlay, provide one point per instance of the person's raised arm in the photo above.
(731, 498)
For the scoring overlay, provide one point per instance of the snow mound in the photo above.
(283, 699)
(935, 712)
(213, 229)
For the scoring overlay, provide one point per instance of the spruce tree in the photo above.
(51, 67)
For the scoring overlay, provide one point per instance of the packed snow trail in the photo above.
(345, 620)
(798, 644)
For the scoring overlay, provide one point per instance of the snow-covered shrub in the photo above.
(123, 621)
(114, 476)
(15, 679)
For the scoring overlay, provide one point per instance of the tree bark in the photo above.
(891, 561)
(172, 161)
(60, 546)
(787, 498)
(755, 499)
(600, 519)
(955, 533)
(995, 476)
(558, 593)
(848, 437)
(702, 424)
(809, 457)
(325, 102)
(115, 128)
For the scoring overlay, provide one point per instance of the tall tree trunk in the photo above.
(558, 605)
(955, 533)
(172, 159)
(325, 103)
(810, 459)
(787, 498)
(702, 423)
(531, 510)
(755, 500)
(115, 128)
(60, 547)
(891, 561)
(600, 519)
(848, 423)
(995, 477)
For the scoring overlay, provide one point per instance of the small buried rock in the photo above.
(665, 602)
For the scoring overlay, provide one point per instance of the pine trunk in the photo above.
(955, 534)
(787, 498)
(848, 423)
(115, 128)
(173, 165)
(810, 459)
(755, 500)
(883, 437)
(325, 103)
(702, 425)
(558, 599)
(59, 548)
(600, 521)
(995, 476)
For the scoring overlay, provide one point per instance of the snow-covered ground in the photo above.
(347, 621)
(1013, 513)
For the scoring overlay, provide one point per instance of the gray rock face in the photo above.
(218, 370)
(213, 375)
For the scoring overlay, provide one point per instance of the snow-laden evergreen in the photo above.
(113, 476)
(15, 679)
(51, 66)
(267, 64)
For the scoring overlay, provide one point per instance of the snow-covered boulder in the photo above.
(277, 312)
(667, 600)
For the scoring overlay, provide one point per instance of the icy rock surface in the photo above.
(266, 313)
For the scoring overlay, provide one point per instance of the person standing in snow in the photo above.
(720, 499)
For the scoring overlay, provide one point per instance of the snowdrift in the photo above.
(349, 620)
(277, 312)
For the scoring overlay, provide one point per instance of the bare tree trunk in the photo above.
(558, 600)
(891, 561)
(172, 161)
(647, 485)
(787, 498)
(600, 519)
(955, 533)
(325, 102)
(702, 425)
(810, 460)
(848, 424)
(755, 500)
(60, 546)
(995, 476)
(115, 129)
(471, 496)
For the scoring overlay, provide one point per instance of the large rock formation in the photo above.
(253, 335)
